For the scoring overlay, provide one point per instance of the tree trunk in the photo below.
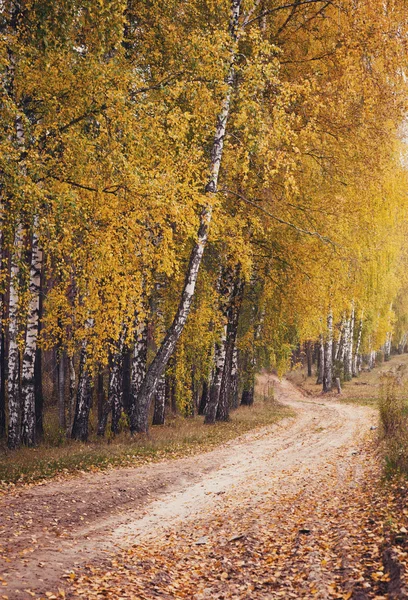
(28, 432)
(234, 379)
(387, 346)
(339, 351)
(204, 398)
(309, 357)
(248, 395)
(126, 370)
(348, 354)
(403, 342)
(83, 399)
(328, 362)
(158, 365)
(38, 388)
(233, 311)
(320, 375)
(61, 391)
(212, 406)
(115, 400)
(13, 380)
(338, 385)
(103, 407)
(72, 385)
(356, 354)
(2, 340)
(160, 402)
(138, 372)
(2, 384)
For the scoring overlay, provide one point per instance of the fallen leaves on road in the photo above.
(341, 535)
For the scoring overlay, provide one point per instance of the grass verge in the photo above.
(178, 437)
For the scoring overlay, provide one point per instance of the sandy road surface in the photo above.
(48, 529)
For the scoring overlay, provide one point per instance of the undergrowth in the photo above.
(393, 410)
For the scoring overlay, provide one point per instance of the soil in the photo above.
(47, 530)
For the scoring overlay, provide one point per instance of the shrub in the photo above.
(393, 407)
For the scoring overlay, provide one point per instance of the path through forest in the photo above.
(269, 493)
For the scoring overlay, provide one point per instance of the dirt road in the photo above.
(47, 530)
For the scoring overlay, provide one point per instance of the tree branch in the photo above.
(295, 5)
(315, 234)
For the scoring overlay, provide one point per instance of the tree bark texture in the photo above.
(103, 407)
(61, 391)
(232, 313)
(13, 370)
(234, 380)
(348, 355)
(28, 424)
(137, 375)
(309, 357)
(83, 399)
(115, 396)
(320, 372)
(212, 406)
(328, 358)
(160, 402)
(358, 345)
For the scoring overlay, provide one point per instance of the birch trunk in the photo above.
(158, 365)
(137, 375)
(233, 311)
(13, 379)
(72, 385)
(348, 356)
(115, 400)
(38, 387)
(205, 394)
(83, 396)
(212, 406)
(2, 343)
(328, 362)
(160, 402)
(28, 429)
(103, 409)
(61, 391)
(387, 346)
(234, 379)
(320, 375)
(339, 351)
(403, 342)
(358, 345)
(309, 358)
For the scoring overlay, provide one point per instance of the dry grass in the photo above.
(393, 410)
(179, 437)
(364, 389)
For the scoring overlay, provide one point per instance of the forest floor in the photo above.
(297, 509)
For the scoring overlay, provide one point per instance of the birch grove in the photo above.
(148, 147)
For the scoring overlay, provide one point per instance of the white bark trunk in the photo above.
(72, 385)
(328, 362)
(27, 379)
(320, 373)
(115, 396)
(211, 411)
(13, 379)
(137, 371)
(358, 345)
